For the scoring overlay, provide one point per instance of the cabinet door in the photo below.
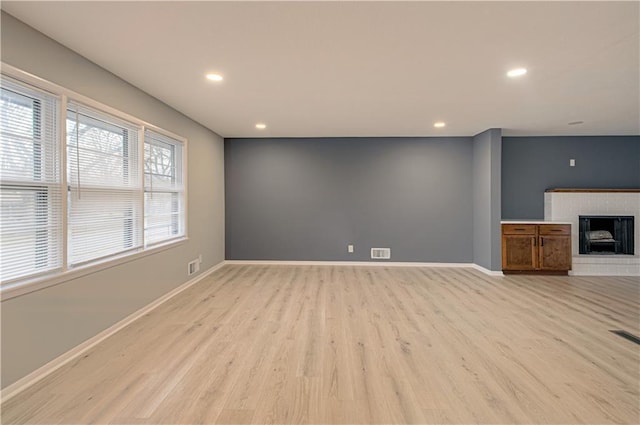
(555, 252)
(519, 252)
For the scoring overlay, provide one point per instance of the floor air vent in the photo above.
(381, 253)
(626, 335)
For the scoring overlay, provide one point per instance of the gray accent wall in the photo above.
(530, 165)
(39, 326)
(487, 199)
(307, 199)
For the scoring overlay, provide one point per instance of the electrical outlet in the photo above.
(572, 163)
(200, 258)
(350, 248)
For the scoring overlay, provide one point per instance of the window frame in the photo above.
(177, 191)
(97, 119)
(47, 163)
(20, 286)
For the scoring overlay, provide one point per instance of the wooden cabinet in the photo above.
(536, 248)
(555, 247)
(519, 252)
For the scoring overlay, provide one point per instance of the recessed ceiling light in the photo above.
(576, 122)
(518, 72)
(261, 126)
(439, 124)
(214, 77)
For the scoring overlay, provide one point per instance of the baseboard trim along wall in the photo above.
(487, 271)
(23, 383)
(367, 263)
(13, 389)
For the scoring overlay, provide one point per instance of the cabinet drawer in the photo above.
(555, 229)
(519, 229)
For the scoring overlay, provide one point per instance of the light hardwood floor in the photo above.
(360, 345)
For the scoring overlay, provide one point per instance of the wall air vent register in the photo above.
(381, 253)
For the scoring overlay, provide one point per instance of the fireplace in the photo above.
(606, 235)
(570, 205)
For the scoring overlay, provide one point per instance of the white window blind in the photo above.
(122, 192)
(164, 213)
(105, 191)
(30, 176)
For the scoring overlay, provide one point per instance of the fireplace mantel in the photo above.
(569, 190)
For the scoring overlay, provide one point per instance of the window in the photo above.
(30, 195)
(104, 185)
(163, 188)
(123, 191)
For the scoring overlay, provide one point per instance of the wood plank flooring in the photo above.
(360, 345)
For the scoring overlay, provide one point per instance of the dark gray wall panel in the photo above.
(532, 164)
(307, 199)
(486, 199)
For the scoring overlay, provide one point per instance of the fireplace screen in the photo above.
(606, 235)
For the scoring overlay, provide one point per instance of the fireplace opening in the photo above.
(606, 235)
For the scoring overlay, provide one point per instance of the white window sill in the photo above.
(13, 290)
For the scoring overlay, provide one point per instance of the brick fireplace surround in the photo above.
(567, 204)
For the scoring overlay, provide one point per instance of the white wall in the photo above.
(39, 326)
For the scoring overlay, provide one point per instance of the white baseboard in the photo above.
(347, 263)
(15, 388)
(487, 271)
(367, 263)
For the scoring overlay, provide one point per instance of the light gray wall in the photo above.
(307, 199)
(486, 199)
(39, 326)
(530, 165)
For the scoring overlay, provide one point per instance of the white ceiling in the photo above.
(367, 69)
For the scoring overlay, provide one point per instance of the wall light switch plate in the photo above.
(350, 248)
(572, 163)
